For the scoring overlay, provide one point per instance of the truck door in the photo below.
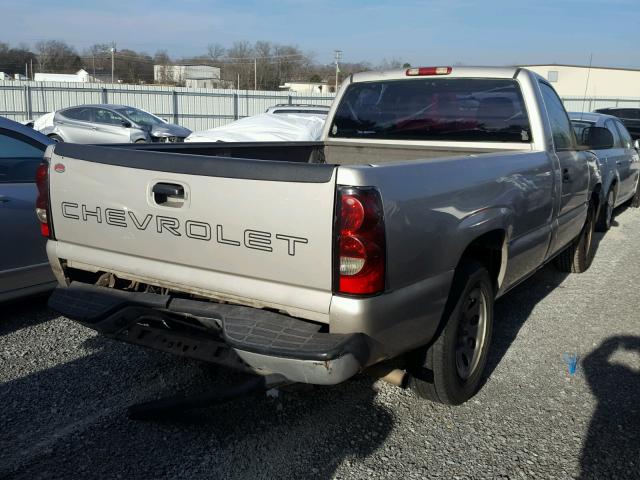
(572, 175)
(75, 125)
(628, 162)
(110, 127)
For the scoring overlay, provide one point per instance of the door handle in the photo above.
(170, 194)
(565, 175)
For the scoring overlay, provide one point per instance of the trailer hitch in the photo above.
(169, 406)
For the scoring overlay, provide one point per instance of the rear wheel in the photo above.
(56, 138)
(451, 370)
(606, 212)
(577, 257)
(140, 140)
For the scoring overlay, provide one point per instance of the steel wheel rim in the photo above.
(472, 332)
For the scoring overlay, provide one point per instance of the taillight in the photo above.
(424, 71)
(360, 245)
(42, 202)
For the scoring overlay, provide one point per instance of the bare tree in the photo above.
(162, 62)
(239, 62)
(215, 52)
(57, 57)
(13, 60)
(97, 59)
(390, 64)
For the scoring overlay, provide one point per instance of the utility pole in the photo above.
(338, 58)
(31, 69)
(113, 61)
(255, 74)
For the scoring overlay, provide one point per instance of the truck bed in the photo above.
(331, 152)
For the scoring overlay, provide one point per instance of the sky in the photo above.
(421, 32)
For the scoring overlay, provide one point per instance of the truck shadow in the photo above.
(70, 421)
(18, 314)
(513, 310)
(612, 446)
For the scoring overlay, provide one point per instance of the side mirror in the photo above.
(597, 138)
(636, 144)
(126, 124)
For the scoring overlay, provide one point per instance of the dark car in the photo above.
(629, 116)
(24, 268)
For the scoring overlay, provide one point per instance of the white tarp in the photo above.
(44, 124)
(265, 128)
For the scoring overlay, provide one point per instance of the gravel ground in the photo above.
(64, 391)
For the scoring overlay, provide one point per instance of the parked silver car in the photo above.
(106, 123)
(24, 268)
(620, 164)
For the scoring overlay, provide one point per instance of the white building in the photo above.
(603, 82)
(190, 75)
(81, 76)
(306, 88)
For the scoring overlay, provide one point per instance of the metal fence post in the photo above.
(105, 97)
(29, 104)
(235, 106)
(290, 99)
(174, 94)
(27, 95)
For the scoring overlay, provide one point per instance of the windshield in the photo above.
(140, 117)
(464, 109)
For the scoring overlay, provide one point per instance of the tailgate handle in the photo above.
(164, 193)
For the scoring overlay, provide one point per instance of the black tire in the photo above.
(606, 211)
(577, 257)
(140, 140)
(56, 138)
(437, 372)
(635, 200)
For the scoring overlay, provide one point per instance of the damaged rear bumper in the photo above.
(236, 336)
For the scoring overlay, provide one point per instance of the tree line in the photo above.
(264, 64)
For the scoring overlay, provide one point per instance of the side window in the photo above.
(561, 130)
(19, 159)
(617, 141)
(108, 117)
(631, 113)
(83, 114)
(627, 141)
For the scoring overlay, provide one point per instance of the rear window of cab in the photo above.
(454, 109)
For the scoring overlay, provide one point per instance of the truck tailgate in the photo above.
(257, 232)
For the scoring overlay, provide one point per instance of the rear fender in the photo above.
(482, 222)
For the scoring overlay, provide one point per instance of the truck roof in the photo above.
(456, 72)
